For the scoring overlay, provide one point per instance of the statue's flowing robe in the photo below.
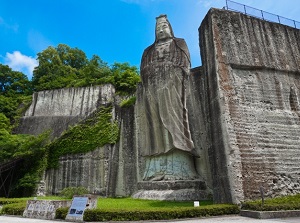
(163, 118)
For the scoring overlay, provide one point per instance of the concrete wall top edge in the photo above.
(249, 41)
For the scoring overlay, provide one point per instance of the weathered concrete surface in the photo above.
(123, 163)
(70, 101)
(89, 170)
(252, 70)
(43, 209)
(59, 108)
(197, 105)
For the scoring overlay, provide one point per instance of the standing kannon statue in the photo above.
(165, 139)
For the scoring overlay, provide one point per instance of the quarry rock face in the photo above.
(59, 108)
(109, 170)
(106, 171)
(252, 72)
(235, 124)
(89, 170)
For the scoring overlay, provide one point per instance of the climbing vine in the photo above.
(94, 132)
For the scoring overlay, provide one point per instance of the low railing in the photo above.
(247, 10)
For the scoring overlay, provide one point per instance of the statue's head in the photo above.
(163, 29)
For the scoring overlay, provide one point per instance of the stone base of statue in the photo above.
(179, 190)
(171, 166)
(171, 176)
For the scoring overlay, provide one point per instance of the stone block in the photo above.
(43, 209)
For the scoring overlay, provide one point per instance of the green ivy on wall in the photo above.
(94, 132)
(128, 102)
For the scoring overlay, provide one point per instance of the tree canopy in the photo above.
(63, 66)
(13, 82)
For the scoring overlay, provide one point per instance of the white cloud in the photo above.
(19, 62)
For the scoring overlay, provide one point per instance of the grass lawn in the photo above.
(121, 209)
(138, 204)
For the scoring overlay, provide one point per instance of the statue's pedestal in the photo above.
(179, 190)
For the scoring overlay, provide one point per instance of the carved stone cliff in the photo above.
(252, 73)
(59, 108)
(108, 170)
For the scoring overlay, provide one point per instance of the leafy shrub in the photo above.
(61, 213)
(4, 201)
(291, 202)
(14, 208)
(69, 192)
(159, 213)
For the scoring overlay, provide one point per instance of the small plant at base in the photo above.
(69, 192)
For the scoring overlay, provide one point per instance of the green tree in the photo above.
(95, 72)
(31, 149)
(8, 106)
(125, 78)
(4, 122)
(58, 67)
(13, 82)
(72, 57)
(63, 66)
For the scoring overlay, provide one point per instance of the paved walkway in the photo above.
(223, 219)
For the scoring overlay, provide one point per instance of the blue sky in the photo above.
(115, 30)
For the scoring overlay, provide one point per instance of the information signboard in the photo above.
(77, 208)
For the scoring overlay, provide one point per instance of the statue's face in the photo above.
(163, 31)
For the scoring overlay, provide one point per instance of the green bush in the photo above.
(14, 208)
(270, 207)
(128, 102)
(61, 213)
(291, 202)
(4, 201)
(159, 213)
(69, 192)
